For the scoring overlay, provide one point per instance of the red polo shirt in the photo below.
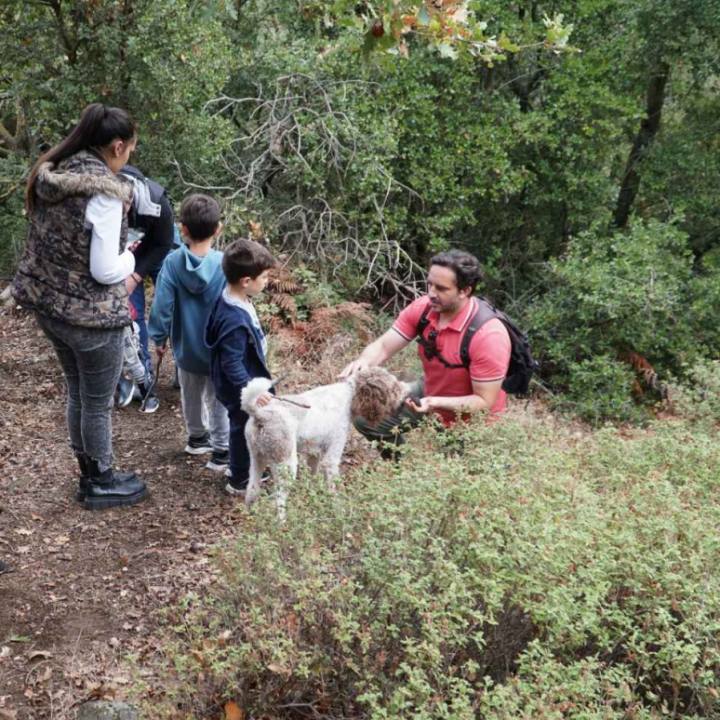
(489, 353)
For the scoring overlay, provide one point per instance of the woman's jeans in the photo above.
(91, 360)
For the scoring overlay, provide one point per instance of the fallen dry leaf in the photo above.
(39, 655)
(233, 711)
(278, 669)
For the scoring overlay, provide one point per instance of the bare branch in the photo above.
(296, 146)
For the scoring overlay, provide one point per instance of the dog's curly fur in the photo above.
(377, 396)
(279, 431)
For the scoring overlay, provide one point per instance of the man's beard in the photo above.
(447, 308)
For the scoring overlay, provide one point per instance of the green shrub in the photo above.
(600, 388)
(612, 295)
(698, 397)
(12, 219)
(536, 575)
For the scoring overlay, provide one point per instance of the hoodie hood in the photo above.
(196, 273)
(222, 321)
(83, 174)
(226, 318)
(146, 193)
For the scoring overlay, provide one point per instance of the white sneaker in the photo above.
(125, 392)
(232, 490)
(219, 461)
(198, 445)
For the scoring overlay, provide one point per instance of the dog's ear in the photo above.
(378, 394)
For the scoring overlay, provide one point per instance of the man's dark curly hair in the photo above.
(465, 266)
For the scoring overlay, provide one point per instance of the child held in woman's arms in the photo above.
(135, 383)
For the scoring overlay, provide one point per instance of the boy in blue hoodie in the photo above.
(238, 346)
(190, 282)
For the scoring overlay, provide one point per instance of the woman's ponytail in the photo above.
(99, 125)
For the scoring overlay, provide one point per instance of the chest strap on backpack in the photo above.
(483, 312)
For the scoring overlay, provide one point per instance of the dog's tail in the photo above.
(256, 387)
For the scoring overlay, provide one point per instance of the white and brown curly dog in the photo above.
(315, 424)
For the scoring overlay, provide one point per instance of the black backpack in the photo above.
(522, 365)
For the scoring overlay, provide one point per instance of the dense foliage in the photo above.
(538, 135)
(632, 295)
(547, 574)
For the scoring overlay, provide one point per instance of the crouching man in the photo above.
(461, 375)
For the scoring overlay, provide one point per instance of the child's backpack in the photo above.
(522, 365)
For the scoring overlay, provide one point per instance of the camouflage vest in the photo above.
(53, 276)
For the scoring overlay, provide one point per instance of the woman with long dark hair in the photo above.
(72, 275)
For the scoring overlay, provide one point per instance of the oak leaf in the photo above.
(233, 711)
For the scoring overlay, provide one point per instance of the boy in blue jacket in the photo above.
(238, 346)
(190, 282)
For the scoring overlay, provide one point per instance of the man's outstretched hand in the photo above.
(351, 368)
(419, 405)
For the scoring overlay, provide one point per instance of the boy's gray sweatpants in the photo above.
(202, 411)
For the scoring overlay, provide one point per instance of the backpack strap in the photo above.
(423, 322)
(484, 312)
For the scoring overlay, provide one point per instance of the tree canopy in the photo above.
(555, 140)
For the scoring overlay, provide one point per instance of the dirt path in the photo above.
(84, 587)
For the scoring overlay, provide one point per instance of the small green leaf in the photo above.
(447, 51)
(506, 44)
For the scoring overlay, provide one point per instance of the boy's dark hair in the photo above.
(465, 266)
(200, 214)
(246, 258)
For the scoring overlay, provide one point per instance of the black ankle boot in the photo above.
(110, 489)
(84, 482)
(83, 462)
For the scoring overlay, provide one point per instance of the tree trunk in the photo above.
(646, 134)
(70, 44)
